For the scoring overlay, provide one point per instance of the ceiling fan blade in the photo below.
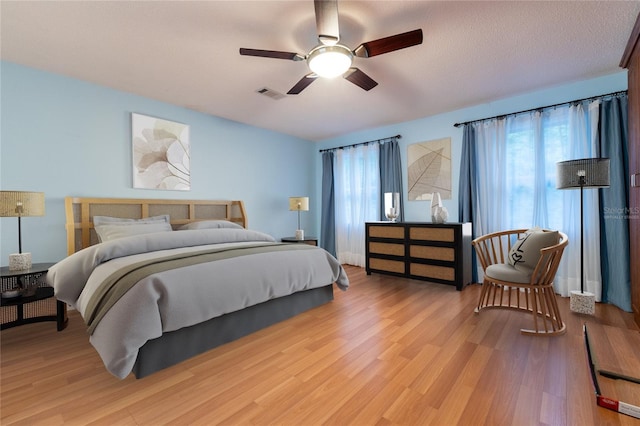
(302, 84)
(271, 54)
(359, 78)
(389, 44)
(327, 21)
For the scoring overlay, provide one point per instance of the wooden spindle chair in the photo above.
(507, 287)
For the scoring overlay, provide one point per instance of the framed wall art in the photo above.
(429, 169)
(161, 153)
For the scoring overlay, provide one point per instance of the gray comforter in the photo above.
(185, 296)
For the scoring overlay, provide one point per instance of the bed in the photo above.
(160, 281)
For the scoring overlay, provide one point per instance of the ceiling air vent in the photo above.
(270, 93)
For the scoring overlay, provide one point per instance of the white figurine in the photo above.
(439, 214)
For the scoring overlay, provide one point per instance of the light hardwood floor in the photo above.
(387, 351)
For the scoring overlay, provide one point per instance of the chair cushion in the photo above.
(526, 250)
(506, 272)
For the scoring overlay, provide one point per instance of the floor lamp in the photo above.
(583, 173)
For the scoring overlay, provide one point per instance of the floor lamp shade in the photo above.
(584, 173)
(21, 204)
(299, 204)
(580, 174)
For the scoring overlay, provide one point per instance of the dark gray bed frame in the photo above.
(176, 346)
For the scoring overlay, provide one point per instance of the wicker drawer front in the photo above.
(38, 308)
(387, 265)
(387, 248)
(433, 271)
(386, 232)
(432, 234)
(446, 254)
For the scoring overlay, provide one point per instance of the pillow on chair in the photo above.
(526, 251)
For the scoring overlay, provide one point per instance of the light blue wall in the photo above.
(68, 137)
(441, 126)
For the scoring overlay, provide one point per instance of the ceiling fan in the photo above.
(330, 58)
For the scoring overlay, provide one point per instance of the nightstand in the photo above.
(36, 307)
(312, 241)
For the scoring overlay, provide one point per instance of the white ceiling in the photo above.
(186, 53)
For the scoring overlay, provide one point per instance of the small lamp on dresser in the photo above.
(299, 204)
(21, 204)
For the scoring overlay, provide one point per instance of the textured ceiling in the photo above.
(186, 53)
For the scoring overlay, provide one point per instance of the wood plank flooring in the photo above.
(388, 351)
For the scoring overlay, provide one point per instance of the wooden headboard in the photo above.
(80, 212)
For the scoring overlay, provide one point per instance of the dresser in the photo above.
(440, 253)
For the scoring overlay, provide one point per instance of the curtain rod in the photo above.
(361, 143)
(541, 108)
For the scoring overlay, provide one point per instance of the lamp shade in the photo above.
(21, 203)
(586, 173)
(299, 204)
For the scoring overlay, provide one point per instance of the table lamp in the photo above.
(583, 173)
(21, 204)
(299, 204)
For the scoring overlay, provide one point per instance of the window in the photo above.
(517, 160)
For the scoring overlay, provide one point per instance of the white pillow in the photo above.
(117, 230)
(526, 250)
(210, 224)
(106, 220)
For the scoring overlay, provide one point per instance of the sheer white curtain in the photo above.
(357, 199)
(516, 158)
(493, 206)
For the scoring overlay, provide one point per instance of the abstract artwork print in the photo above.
(429, 169)
(161, 153)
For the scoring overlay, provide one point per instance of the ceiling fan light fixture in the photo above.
(330, 61)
